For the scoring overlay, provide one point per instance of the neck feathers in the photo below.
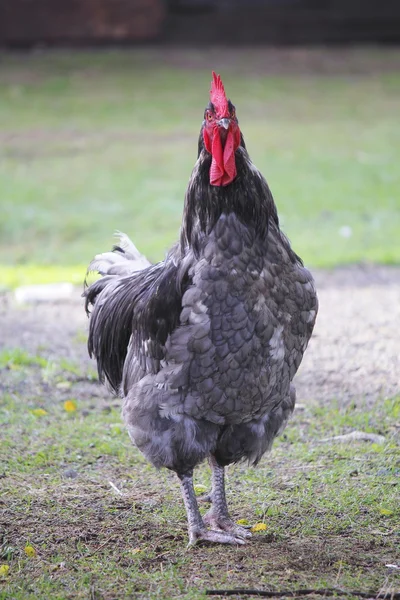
(248, 196)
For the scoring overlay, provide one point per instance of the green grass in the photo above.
(31, 274)
(95, 142)
(331, 510)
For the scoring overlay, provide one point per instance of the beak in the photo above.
(224, 123)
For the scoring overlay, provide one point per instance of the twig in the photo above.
(301, 592)
(114, 487)
(356, 436)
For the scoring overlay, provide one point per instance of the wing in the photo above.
(157, 307)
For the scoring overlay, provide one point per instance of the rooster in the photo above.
(203, 346)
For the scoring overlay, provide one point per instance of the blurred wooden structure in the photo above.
(284, 21)
(29, 22)
(89, 22)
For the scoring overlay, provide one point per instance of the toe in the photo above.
(226, 525)
(217, 537)
(242, 531)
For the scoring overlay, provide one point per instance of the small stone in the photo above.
(28, 294)
(70, 474)
(64, 385)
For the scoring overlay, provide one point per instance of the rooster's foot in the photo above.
(218, 537)
(226, 525)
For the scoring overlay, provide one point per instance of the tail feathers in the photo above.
(124, 259)
(110, 328)
(94, 290)
(129, 248)
(135, 311)
(135, 307)
(111, 319)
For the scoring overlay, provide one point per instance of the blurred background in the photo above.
(101, 102)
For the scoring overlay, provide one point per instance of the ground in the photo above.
(94, 141)
(83, 515)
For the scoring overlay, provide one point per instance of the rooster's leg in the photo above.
(196, 525)
(207, 497)
(218, 516)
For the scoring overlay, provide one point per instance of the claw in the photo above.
(210, 535)
(222, 530)
(226, 525)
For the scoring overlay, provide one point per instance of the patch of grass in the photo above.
(95, 142)
(31, 274)
(61, 373)
(16, 358)
(70, 367)
(331, 509)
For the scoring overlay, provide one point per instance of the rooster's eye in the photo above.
(209, 116)
(233, 114)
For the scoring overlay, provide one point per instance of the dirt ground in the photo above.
(354, 352)
(58, 497)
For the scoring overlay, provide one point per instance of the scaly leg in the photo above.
(208, 496)
(196, 526)
(218, 516)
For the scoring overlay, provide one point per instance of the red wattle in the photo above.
(223, 166)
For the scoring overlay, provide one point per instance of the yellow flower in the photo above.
(39, 412)
(70, 406)
(259, 527)
(4, 569)
(242, 522)
(386, 512)
(200, 489)
(30, 551)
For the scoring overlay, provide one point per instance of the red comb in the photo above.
(218, 96)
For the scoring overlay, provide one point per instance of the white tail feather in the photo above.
(120, 263)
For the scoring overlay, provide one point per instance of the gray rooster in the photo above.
(203, 346)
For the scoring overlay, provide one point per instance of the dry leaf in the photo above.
(136, 550)
(200, 489)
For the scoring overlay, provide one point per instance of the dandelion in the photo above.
(4, 569)
(39, 412)
(70, 406)
(258, 527)
(30, 551)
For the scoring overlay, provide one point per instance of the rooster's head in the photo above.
(221, 134)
